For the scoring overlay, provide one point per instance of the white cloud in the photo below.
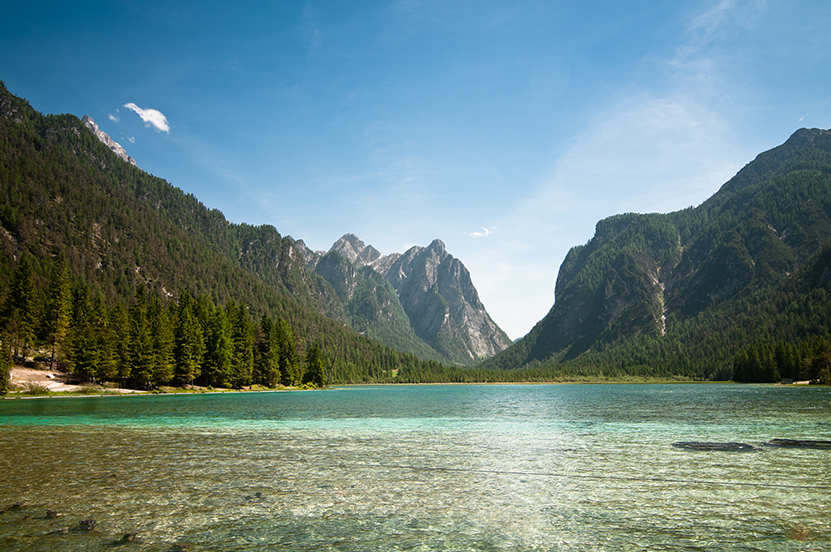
(151, 117)
(483, 234)
(113, 118)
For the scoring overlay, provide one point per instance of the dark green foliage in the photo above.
(315, 373)
(85, 343)
(242, 337)
(266, 354)
(189, 347)
(288, 360)
(119, 324)
(5, 363)
(58, 309)
(762, 363)
(140, 346)
(19, 312)
(219, 350)
(161, 342)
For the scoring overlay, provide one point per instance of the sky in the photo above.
(505, 129)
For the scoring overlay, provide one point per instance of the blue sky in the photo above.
(506, 129)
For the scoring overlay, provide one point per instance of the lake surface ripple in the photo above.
(467, 467)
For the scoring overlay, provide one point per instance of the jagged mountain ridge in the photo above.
(642, 273)
(429, 285)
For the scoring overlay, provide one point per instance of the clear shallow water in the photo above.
(547, 467)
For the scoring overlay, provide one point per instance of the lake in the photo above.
(455, 467)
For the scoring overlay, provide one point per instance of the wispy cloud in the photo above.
(113, 118)
(484, 233)
(151, 117)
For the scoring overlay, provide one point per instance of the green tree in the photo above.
(108, 358)
(266, 352)
(161, 340)
(58, 307)
(119, 325)
(140, 341)
(218, 350)
(84, 352)
(190, 342)
(818, 366)
(242, 336)
(19, 313)
(5, 364)
(288, 361)
(315, 373)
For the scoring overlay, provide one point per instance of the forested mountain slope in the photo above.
(63, 191)
(683, 292)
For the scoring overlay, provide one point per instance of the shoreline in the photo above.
(55, 386)
(69, 395)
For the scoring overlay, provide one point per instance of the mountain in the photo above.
(422, 301)
(672, 284)
(64, 191)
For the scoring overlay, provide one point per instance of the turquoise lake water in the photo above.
(466, 467)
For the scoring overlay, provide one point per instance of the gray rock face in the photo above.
(434, 289)
(106, 140)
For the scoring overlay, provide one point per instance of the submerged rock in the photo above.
(128, 537)
(725, 447)
(87, 524)
(799, 443)
(15, 506)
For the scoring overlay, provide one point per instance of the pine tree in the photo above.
(84, 351)
(19, 313)
(161, 340)
(119, 325)
(218, 350)
(58, 307)
(190, 343)
(242, 336)
(5, 364)
(266, 369)
(139, 340)
(314, 367)
(288, 362)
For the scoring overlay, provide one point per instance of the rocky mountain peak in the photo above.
(437, 245)
(356, 251)
(350, 246)
(432, 288)
(107, 141)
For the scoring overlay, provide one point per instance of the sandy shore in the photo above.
(55, 382)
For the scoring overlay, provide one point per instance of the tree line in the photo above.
(768, 363)
(151, 341)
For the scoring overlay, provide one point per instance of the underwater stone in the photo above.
(799, 443)
(726, 447)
